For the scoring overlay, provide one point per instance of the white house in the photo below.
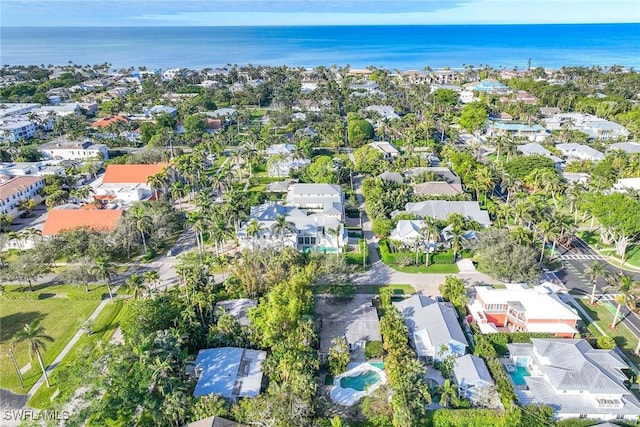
(388, 150)
(13, 130)
(283, 167)
(433, 327)
(127, 183)
(625, 184)
(575, 151)
(535, 149)
(61, 149)
(441, 209)
(595, 127)
(473, 379)
(386, 112)
(8, 109)
(326, 199)
(627, 147)
(280, 150)
(575, 379)
(14, 190)
(31, 169)
(517, 130)
(305, 232)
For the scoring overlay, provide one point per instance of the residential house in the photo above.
(357, 321)
(386, 112)
(526, 97)
(491, 86)
(238, 308)
(8, 109)
(279, 186)
(230, 372)
(548, 112)
(31, 168)
(517, 308)
(283, 167)
(127, 183)
(326, 199)
(433, 327)
(627, 147)
(626, 184)
(441, 209)
(535, 149)
(16, 129)
(444, 173)
(391, 177)
(473, 379)
(415, 77)
(280, 150)
(108, 121)
(307, 231)
(172, 73)
(228, 114)
(14, 190)
(407, 231)
(161, 109)
(62, 149)
(575, 379)
(444, 76)
(580, 152)
(438, 188)
(389, 151)
(595, 127)
(517, 130)
(61, 219)
(576, 177)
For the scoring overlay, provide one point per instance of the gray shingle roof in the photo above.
(471, 370)
(440, 209)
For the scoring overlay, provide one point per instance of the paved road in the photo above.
(572, 274)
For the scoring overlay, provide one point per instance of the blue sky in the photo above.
(312, 12)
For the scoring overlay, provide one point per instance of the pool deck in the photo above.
(349, 396)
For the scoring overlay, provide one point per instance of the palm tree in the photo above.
(36, 339)
(104, 269)
(448, 394)
(137, 283)
(220, 232)
(253, 230)
(336, 232)
(627, 288)
(178, 191)
(430, 231)
(152, 277)
(548, 231)
(595, 271)
(457, 241)
(281, 226)
(142, 223)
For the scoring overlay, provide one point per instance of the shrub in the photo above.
(373, 349)
(442, 258)
(468, 417)
(606, 343)
(338, 357)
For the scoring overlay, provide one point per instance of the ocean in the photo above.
(392, 47)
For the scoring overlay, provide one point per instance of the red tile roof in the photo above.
(131, 174)
(109, 120)
(67, 219)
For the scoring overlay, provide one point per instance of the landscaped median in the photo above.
(603, 316)
(405, 261)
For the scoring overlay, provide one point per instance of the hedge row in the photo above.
(469, 417)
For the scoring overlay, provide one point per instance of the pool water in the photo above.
(361, 381)
(379, 365)
(518, 375)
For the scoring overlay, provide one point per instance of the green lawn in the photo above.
(433, 268)
(593, 239)
(60, 317)
(603, 317)
(105, 325)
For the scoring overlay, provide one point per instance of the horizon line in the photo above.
(476, 24)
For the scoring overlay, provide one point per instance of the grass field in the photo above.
(603, 317)
(105, 325)
(60, 317)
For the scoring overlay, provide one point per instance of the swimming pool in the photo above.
(518, 374)
(361, 381)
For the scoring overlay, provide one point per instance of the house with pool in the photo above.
(434, 330)
(572, 377)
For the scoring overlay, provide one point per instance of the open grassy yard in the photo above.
(603, 317)
(61, 318)
(105, 326)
